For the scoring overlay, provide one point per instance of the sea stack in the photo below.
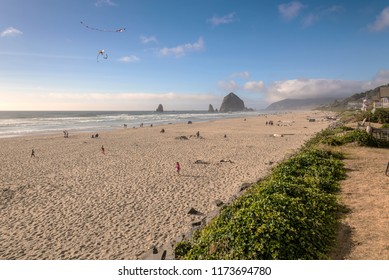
(232, 103)
(210, 109)
(159, 109)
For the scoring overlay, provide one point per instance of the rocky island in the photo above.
(159, 109)
(232, 103)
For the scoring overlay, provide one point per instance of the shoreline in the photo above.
(51, 122)
(73, 202)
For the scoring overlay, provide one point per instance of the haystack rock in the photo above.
(232, 103)
(160, 108)
(210, 109)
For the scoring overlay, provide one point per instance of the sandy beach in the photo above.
(71, 201)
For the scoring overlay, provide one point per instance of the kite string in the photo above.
(102, 30)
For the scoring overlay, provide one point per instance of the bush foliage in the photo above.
(292, 214)
(381, 115)
(360, 137)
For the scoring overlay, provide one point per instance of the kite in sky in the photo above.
(101, 53)
(103, 30)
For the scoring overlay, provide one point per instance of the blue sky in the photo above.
(187, 54)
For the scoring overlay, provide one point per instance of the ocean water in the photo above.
(21, 123)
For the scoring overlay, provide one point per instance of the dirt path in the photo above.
(364, 234)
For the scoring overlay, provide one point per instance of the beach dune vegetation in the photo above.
(292, 214)
(380, 115)
(344, 135)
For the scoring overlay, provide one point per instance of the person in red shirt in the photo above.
(178, 167)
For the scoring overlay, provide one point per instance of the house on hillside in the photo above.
(381, 100)
(354, 105)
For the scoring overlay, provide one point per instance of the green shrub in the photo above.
(329, 136)
(315, 168)
(332, 141)
(272, 226)
(362, 138)
(342, 129)
(182, 248)
(290, 215)
(381, 115)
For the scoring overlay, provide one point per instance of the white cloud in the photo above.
(310, 88)
(215, 20)
(233, 85)
(20, 97)
(321, 13)
(305, 87)
(181, 50)
(106, 101)
(230, 85)
(128, 59)
(381, 78)
(100, 3)
(254, 86)
(148, 39)
(10, 31)
(381, 22)
(290, 10)
(244, 75)
(314, 88)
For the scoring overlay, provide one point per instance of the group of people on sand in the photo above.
(141, 125)
(177, 167)
(66, 135)
(269, 123)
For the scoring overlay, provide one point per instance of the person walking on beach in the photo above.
(32, 153)
(103, 150)
(178, 168)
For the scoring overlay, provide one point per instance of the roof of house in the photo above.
(384, 92)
